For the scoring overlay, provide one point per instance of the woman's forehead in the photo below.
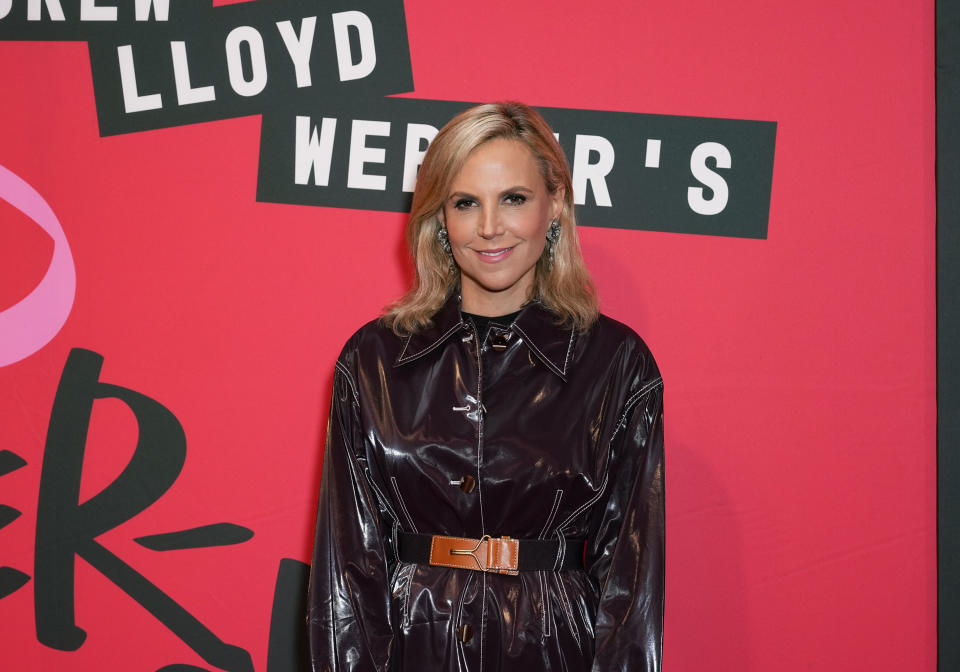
(499, 160)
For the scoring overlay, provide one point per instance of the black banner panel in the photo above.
(167, 63)
(630, 171)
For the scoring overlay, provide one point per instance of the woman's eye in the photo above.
(515, 199)
(463, 203)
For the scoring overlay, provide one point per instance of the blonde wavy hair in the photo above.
(564, 287)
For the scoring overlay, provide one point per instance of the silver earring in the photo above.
(444, 239)
(553, 235)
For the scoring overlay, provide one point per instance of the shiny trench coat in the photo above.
(562, 435)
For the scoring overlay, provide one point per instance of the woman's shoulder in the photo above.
(373, 338)
(609, 331)
(621, 341)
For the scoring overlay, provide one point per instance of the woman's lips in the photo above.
(493, 256)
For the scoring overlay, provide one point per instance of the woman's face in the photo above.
(497, 214)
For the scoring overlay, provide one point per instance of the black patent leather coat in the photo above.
(562, 433)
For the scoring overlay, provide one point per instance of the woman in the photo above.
(492, 488)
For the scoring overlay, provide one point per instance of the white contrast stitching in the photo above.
(406, 343)
(403, 505)
(632, 401)
(544, 620)
(533, 346)
(463, 597)
(553, 512)
(483, 616)
(568, 612)
(396, 573)
(380, 496)
(589, 502)
(346, 374)
(480, 419)
(403, 359)
(566, 360)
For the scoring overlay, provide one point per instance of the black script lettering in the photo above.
(66, 528)
(287, 648)
(11, 579)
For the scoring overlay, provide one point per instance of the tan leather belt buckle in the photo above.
(486, 554)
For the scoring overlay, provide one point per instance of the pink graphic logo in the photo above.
(30, 324)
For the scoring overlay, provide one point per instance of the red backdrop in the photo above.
(799, 369)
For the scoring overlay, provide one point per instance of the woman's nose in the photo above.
(490, 224)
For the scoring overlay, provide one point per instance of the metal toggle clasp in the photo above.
(473, 551)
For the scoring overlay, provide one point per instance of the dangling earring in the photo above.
(444, 239)
(553, 235)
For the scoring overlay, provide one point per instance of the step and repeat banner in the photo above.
(200, 202)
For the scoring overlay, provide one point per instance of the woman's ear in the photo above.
(556, 204)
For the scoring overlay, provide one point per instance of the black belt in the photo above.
(527, 554)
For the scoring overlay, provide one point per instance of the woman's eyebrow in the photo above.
(510, 190)
(517, 188)
(460, 194)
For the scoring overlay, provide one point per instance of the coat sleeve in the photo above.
(348, 616)
(625, 555)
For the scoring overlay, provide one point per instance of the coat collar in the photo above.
(537, 326)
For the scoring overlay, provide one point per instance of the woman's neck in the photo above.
(481, 300)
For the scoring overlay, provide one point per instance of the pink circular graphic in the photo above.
(31, 323)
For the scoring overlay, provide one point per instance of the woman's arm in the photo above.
(348, 600)
(626, 554)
